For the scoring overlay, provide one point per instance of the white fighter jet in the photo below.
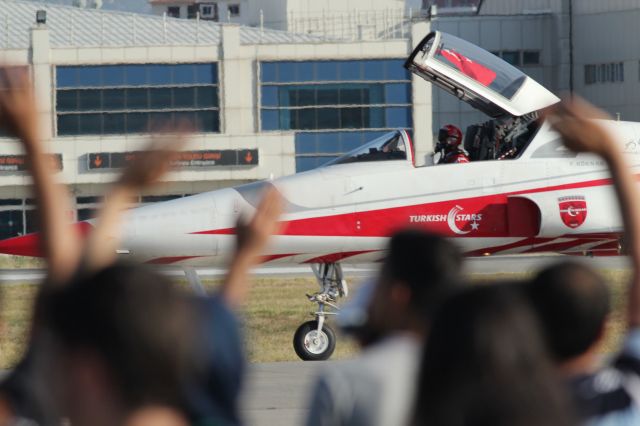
(522, 192)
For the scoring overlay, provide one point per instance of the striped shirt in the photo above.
(611, 396)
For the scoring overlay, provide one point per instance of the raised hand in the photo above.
(575, 119)
(150, 165)
(18, 111)
(251, 240)
(60, 244)
(252, 237)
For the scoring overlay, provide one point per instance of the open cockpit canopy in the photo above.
(392, 146)
(477, 77)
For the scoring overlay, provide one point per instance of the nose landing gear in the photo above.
(315, 340)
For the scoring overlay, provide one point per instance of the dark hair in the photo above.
(136, 322)
(572, 303)
(486, 365)
(427, 263)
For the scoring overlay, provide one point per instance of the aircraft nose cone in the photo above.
(26, 245)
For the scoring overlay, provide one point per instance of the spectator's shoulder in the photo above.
(632, 342)
(215, 306)
(629, 358)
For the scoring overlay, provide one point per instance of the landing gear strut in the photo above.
(315, 340)
(194, 280)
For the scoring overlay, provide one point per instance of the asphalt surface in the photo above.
(275, 393)
(278, 393)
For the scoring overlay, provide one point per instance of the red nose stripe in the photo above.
(29, 245)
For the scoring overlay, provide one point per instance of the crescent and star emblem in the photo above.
(451, 221)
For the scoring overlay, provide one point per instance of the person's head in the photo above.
(485, 364)
(124, 336)
(418, 272)
(450, 136)
(572, 303)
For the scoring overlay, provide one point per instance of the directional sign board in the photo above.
(18, 163)
(185, 159)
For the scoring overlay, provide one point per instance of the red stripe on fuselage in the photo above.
(484, 216)
(560, 246)
(270, 257)
(497, 249)
(169, 260)
(335, 257)
(30, 244)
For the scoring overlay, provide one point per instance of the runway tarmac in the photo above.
(275, 393)
(278, 393)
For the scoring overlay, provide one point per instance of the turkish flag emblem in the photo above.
(476, 71)
(573, 210)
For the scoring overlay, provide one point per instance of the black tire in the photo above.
(301, 342)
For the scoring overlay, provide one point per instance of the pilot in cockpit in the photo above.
(449, 140)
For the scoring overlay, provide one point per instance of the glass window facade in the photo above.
(17, 217)
(519, 57)
(11, 223)
(512, 57)
(334, 106)
(119, 99)
(604, 73)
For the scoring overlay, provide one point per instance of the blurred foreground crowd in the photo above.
(117, 344)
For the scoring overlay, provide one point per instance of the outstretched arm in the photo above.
(251, 239)
(574, 120)
(60, 243)
(147, 169)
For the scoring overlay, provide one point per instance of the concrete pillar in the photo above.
(40, 60)
(422, 103)
(237, 82)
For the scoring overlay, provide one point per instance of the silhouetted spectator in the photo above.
(131, 342)
(24, 395)
(29, 393)
(126, 337)
(214, 385)
(486, 364)
(377, 388)
(572, 300)
(94, 335)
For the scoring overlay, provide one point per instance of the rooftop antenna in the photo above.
(133, 28)
(6, 30)
(198, 26)
(261, 24)
(72, 34)
(164, 27)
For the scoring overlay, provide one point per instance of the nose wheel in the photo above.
(313, 345)
(315, 340)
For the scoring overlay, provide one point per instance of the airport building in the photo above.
(271, 102)
(268, 103)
